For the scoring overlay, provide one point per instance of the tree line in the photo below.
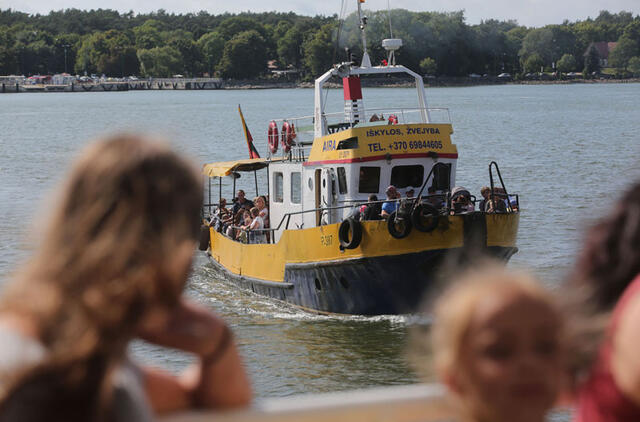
(239, 46)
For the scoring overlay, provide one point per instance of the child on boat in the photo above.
(497, 341)
(114, 259)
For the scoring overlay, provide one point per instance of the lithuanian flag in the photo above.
(253, 152)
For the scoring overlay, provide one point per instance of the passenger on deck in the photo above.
(374, 118)
(242, 234)
(497, 204)
(112, 265)
(241, 201)
(410, 192)
(372, 210)
(497, 342)
(485, 191)
(261, 203)
(461, 201)
(221, 215)
(256, 232)
(433, 199)
(391, 204)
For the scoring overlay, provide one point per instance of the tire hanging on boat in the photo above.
(204, 238)
(353, 226)
(422, 212)
(398, 228)
(288, 134)
(393, 119)
(273, 137)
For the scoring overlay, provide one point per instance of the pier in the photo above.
(151, 84)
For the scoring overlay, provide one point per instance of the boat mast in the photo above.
(366, 61)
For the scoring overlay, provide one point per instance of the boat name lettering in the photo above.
(383, 132)
(326, 240)
(422, 131)
(329, 145)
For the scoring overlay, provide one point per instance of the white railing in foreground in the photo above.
(410, 403)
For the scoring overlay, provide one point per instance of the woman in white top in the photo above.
(256, 227)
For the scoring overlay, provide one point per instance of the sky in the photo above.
(533, 13)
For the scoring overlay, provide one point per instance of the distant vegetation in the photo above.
(240, 46)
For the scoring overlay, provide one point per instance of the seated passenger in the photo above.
(410, 192)
(220, 215)
(242, 233)
(461, 201)
(485, 191)
(391, 204)
(241, 201)
(497, 342)
(256, 232)
(433, 198)
(372, 210)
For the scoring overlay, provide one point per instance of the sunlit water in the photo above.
(568, 150)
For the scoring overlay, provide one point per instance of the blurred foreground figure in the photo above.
(496, 339)
(605, 315)
(111, 267)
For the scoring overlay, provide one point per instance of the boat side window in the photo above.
(369, 180)
(403, 176)
(278, 184)
(442, 177)
(296, 185)
(342, 180)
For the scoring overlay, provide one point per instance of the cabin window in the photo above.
(296, 185)
(404, 176)
(342, 180)
(442, 177)
(369, 180)
(278, 184)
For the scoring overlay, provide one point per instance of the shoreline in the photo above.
(267, 84)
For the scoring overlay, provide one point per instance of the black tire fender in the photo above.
(353, 226)
(393, 229)
(422, 211)
(204, 238)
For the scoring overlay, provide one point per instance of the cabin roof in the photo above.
(225, 168)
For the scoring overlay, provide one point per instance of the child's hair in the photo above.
(126, 206)
(454, 310)
(255, 211)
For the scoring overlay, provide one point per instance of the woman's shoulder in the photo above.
(20, 349)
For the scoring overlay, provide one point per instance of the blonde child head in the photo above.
(496, 339)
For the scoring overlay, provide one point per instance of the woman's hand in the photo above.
(218, 380)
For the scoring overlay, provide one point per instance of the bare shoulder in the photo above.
(625, 365)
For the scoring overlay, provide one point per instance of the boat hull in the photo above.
(364, 286)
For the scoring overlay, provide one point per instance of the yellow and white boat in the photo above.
(319, 256)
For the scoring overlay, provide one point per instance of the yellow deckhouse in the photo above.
(320, 255)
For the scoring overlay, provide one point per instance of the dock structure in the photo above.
(149, 84)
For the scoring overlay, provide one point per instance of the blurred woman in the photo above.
(605, 312)
(112, 265)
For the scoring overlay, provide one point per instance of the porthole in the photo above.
(310, 183)
(324, 183)
(318, 285)
(344, 283)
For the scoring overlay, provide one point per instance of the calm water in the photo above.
(568, 150)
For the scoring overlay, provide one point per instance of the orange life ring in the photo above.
(393, 119)
(288, 134)
(273, 137)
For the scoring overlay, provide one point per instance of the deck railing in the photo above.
(411, 403)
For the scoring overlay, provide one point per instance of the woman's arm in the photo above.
(625, 365)
(218, 380)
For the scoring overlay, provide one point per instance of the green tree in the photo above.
(318, 51)
(533, 63)
(634, 65)
(8, 57)
(109, 53)
(625, 50)
(211, 47)
(160, 62)
(592, 61)
(567, 63)
(428, 66)
(148, 35)
(244, 56)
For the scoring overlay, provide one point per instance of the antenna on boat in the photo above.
(366, 61)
